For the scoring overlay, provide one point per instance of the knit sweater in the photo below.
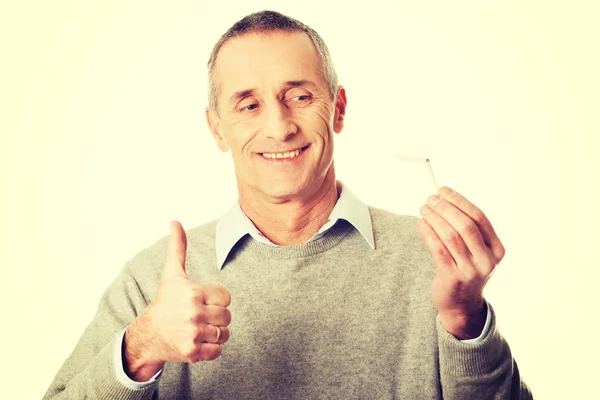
(327, 319)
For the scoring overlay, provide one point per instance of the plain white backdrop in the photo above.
(104, 142)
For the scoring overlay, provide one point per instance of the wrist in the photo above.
(139, 361)
(467, 324)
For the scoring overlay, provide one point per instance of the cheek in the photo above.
(316, 119)
(248, 130)
(239, 134)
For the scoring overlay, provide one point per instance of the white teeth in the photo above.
(289, 154)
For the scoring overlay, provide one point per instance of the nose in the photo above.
(279, 124)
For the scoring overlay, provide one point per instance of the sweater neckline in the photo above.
(333, 237)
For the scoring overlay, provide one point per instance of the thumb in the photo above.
(176, 250)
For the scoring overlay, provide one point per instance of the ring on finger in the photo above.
(218, 334)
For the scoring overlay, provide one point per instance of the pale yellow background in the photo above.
(104, 142)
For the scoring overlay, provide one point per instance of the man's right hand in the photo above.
(180, 323)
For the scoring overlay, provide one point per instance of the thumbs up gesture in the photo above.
(185, 322)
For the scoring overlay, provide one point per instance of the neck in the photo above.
(293, 221)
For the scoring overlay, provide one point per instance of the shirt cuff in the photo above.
(486, 328)
(120, 370)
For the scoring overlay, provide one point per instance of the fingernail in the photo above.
(433, 200)
(446, 191)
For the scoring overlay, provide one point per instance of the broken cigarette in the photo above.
(418, 160)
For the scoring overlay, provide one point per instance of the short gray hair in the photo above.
(263, 22)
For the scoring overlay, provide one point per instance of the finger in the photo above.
(215, 315)
(221, 334)
(487, 230)
(466, 228)
(176, 251)
(441, 256)
(215, 294)
(211, 334)
(450, 238)
(208, 333)
(205, 352)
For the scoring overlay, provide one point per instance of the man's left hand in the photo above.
(466, 251)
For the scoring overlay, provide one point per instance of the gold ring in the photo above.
(218, 334)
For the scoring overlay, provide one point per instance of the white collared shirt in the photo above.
(234, 224)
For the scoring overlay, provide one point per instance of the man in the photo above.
(331, 298)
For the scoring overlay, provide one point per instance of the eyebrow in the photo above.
(240, 95)
(303, 82)
(247, 92)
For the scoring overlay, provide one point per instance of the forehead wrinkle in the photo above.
(239, 55)
(228, 63)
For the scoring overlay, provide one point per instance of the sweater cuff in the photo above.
(103, 379)
(467, 359)
(486, 327)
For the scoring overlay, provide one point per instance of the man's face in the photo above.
(273, 99)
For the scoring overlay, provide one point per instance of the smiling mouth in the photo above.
(289, 154)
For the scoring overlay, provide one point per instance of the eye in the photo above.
(248, 106)
(298, 98)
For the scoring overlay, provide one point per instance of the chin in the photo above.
(283, 190)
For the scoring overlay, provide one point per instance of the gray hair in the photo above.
(263, 22)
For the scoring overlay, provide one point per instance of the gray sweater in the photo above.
(328, 319)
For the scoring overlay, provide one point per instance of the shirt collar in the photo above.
(234, 224)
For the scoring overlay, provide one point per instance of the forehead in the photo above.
(260, 60)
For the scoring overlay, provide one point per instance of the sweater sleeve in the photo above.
(485, 370)
(89, 372)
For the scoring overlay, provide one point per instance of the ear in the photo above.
(340, 109)
(214, 123)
